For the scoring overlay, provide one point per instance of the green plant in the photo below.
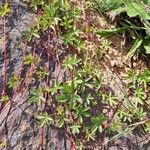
(35, 3)
(4, 10)
(71, 38)
(73, 105)
(41, 72)
(4, 99)
(97, 122)
(54, 89)
(30, 59)
(144, 78)
(31, 33)
(36, 96)
(13, 81)
(133, 9)
(44, 119)
(70, 62)
(147, 126)
(75, 128)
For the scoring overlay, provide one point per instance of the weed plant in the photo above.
(80, 103)
(133, 18)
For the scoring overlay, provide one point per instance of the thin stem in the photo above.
(5, 51)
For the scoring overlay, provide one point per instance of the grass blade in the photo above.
(110, 32)
(133, 49)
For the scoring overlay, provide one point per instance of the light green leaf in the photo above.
(4, 10)
(44, 118)
(78, 98)
(135, 8)
(75, 128)
(36, 35)
(134, 48)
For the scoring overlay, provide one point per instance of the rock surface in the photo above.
(19, 130)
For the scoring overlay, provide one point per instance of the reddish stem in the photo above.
(4, 73)
(41, 138)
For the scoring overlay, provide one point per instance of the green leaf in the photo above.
(45, 118)
(13, 81)
(78, 98)
(62, 98)
(145, 77)
(118, 10)
(97, 122)
(70, 62)
(36, 35)
(110, 32)
(36, 3)
(147, 2)
(147, 127)
(75, 128)
(53, 90)
(31, 33)
(28, 59)
(136, 8)
(108, 5)
(35, 96)
(112, 100)
(134, 48)
(82, 112)
(146, 43)
(4, 10)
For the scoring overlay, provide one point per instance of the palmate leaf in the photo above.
(97, 122)
(70, 62)
(134, 48)
(145, 76)
(28, 59)
(13, 81)
(75, 128)
(54, 89)
(4, 10)
(45, 118)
